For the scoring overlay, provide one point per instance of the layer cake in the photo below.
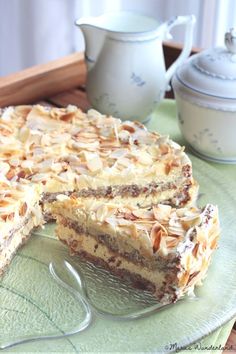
(162, 249)
(98, 162)
(67, 150)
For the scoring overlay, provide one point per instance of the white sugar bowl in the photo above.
(205, 92)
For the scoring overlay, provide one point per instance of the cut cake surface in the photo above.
(19, 214)
(162, 249)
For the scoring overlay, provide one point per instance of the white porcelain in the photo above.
(124, 56)
(205, 92)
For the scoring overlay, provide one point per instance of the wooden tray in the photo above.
(62, 82)
(59, 82)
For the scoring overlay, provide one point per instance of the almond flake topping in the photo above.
(145, 159)
(157, 233)
(162, 212)
(143, 214)
(94, 163)
(4, 168)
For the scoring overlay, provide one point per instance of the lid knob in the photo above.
(230, 40)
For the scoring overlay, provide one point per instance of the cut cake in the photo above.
(46, 152)
(161, 249)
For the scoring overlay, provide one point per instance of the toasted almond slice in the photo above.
(117, 154)
(24, 134)
(157, 232)
(164, 149)
(6, 129)
(27, 164)
(45, 140)
(128, 127)
(192, 278)
(14, 162)
(190, 221)
(201, 236)
(7, 114)
(176, 230)
(214, 243)
(124, 161)
(10, 174)
(124, 136)
(157, 241)
(70, 158)
(154, 151)
(56, 167)
(67, 117)
(167, 167)
(144, 158)
(39, 177)
(88, 141)
(77, 145)
(162, 212)
(172, 242)
(176, 162)
(181, 212)
(4, 168)
(73, 108)
(143, 214)
(8, 217)
(5, 202)
(163, 247)
(188, 261)
(21, 174)
(115, 128)
(92, 113)
(134, 231)
(123, 222)
(94, 162)
(8, 208)
(145, 223)
(195, 249)
(23, 209)
(184, 279)
(87, 135)
(129, 216)
(22, 110)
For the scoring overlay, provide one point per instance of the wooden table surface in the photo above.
(56, 83)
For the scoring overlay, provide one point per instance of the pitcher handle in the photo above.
(189, 22)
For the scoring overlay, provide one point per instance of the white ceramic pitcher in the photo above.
(124, 56)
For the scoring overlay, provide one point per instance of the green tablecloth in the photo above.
(169, 126)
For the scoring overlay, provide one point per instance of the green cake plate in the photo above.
(46, 295)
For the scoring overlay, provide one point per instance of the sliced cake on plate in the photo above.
(162, 249)
(134, 189)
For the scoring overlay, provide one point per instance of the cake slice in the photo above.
(19, 214)
(98, 156)
(161, 249)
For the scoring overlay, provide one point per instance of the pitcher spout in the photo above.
(94, 38)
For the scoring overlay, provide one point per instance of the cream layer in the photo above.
(84, 242)
(140, 176)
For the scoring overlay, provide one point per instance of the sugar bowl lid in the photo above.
(212, 72)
